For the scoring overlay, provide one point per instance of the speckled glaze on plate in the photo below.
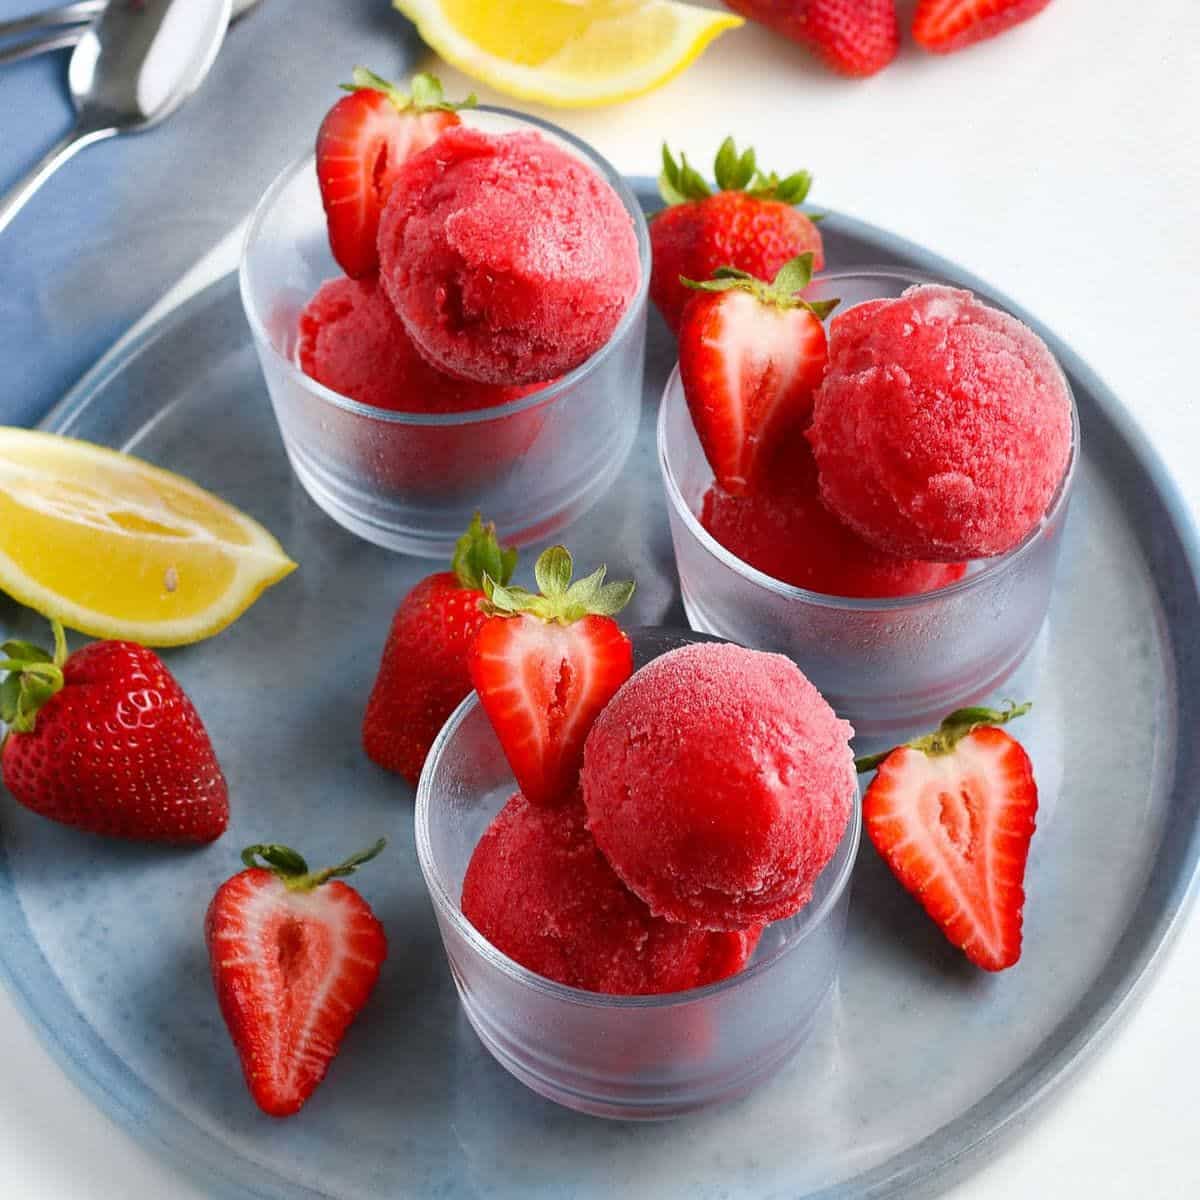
(920, 1063)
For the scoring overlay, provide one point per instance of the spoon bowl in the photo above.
(131, 69)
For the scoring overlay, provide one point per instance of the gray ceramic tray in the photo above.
(922, 1062)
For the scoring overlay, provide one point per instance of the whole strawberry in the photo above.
(942, 26)
(423, 675)
(952, 814)
(294, 957)
(750, 223)
(854, 37)
(106, 741)
(362, 142)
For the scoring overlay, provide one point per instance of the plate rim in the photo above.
(925, 1168)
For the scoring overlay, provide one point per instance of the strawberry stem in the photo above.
(478, 553)
(290, 866)
(950, 732)
(783, 291)
(734, 171)
(558, 598)
(425, 92)
(34, 676)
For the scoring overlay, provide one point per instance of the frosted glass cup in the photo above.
(411, 481)
(628, 1057)
(885, 665)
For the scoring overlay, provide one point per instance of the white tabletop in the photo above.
(1059, 163)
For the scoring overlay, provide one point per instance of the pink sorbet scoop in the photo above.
(352, 341)
(718, 782)
(507, 258)
(539, 890)
(942, 428)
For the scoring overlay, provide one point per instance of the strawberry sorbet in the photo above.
(539, 890)
(352, 341)
(782, 529)
(508, 259)
(718, 783)
(942, 428)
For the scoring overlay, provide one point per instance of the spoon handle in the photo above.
(40, 44)
(65, 14)
(12, 201)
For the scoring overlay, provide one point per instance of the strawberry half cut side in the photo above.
(545, 664)
(294, 954)
(952, 814)
(751, 356)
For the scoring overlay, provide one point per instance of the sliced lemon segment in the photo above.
(573, 53)
(117, 548)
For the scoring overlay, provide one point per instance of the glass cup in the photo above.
(627, 1057)
(885, 665)
(411, 481)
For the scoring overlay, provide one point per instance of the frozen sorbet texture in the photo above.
(784, 530)
(943, 426)
(508, 259)
(540, 891)
(352, 341)
(718, 783)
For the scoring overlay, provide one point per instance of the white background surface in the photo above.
(1059, 162)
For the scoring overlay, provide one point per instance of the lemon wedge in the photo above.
(572, 53)
(117, 548)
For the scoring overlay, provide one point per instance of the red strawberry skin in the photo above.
(542, 685)
(292, 969)
(728, 229)
(362, 142)
(943, 26)
(955, 830)
(854, 37)
(120, 751)
(749, 371)
(423, 674)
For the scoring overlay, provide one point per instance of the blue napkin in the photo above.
(116, 226)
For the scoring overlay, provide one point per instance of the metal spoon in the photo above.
(135, 66)
(61, 28)
(65, 14)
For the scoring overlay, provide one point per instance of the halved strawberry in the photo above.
(942, 26)
(294, 958)
(545, 665)
(751, 355)
(952, 813)
(362, 142)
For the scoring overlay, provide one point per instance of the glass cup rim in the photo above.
(474, 416)
(449, 908)
(992, 567)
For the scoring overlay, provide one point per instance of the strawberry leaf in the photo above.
(680, 182)
(558, 599)
(478, 553)
(425, 94)
(553, 571)
(290, 866)
(794, 276)
(950, 732)
(282, 860)
(794, 189)
(10, 698)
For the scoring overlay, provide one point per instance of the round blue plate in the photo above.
(921, 1061)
